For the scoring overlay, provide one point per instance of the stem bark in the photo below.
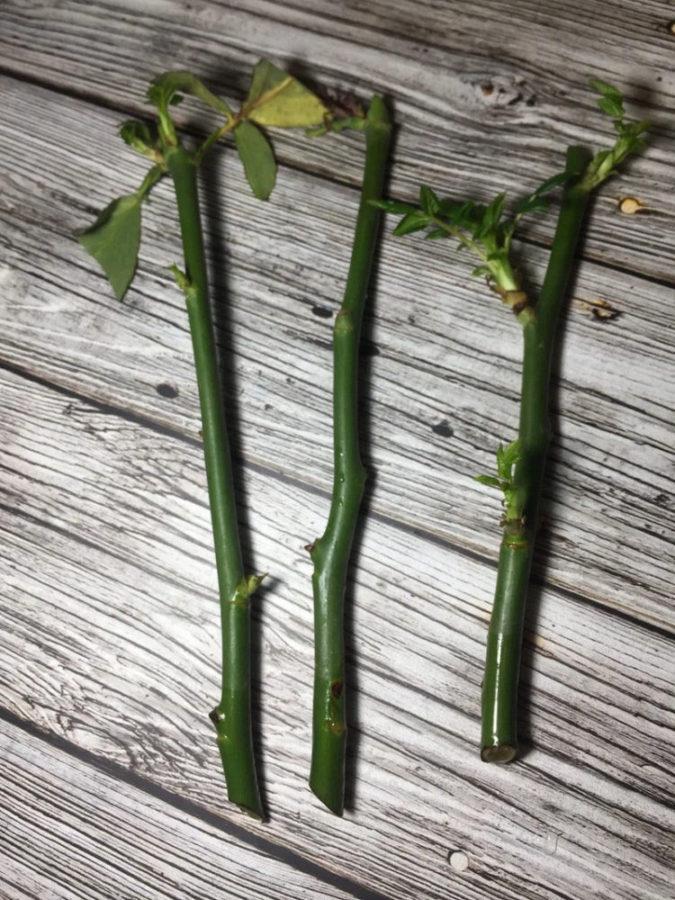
(330, 553)
(232, 716)
(499, 738)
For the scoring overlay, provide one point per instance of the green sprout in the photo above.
(487, 231)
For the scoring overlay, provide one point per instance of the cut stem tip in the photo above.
(331, 799)
(501, 753)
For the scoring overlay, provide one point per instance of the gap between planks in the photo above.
(255, 22)
(291, 163)
(478, 366)
(175, 432)
(570, 709)
(45, 749)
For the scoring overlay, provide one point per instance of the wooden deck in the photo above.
(110, 780)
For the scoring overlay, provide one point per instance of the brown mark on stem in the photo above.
(217, 715)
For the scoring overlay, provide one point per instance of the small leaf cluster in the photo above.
(629, 140)
(275, 99)
(143, 138)
(507, 457)
(485, 229)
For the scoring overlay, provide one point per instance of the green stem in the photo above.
(505, 635)
(330, 554)
(232, 716)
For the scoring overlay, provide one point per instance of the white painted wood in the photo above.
(489, 100)
(443, 387)
(109, 624)
(108, 614)
(72, 831)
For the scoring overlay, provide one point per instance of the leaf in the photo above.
(533, 203)
(437, 234)
(489, 481)
(463, 215)
(275, 98)
(414, 221)
(429, 201)
(606, 89)
(550, 184)
(507, 457)
(493, 213)
(481, 272)
(536, 202)
(447, 207)
(467, 215)
(257, 157)
(114, 238)
(394, 206)
(611, 107)
(164, 89)
(138, 136)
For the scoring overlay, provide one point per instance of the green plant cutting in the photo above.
(275, 99)
(487, 231)
(331, 552)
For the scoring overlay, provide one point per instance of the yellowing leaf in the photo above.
(258, 159)
(114, 238)
(277, 99)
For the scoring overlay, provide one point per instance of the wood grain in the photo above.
(489, 101)
(72, 831)
(109, 776)
(110, 641)
(443, 367)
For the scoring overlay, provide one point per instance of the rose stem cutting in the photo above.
(275, 99)
(487, 232)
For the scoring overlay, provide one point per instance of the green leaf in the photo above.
(139, 136)
(437, 234)
(394, 206)
(275, 98)
(550, 184)
(489, 481)
(414, 221)
(164, 89)
(493, 213)
(533, 203)
(536, 202)
(611, 107)
(114, 238)
(429, 201)
(463, 215)
(257, 157)
(507, 457)
(447, 207)
(481, 272)
(606, 89)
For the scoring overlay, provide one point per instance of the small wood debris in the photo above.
(630, 205)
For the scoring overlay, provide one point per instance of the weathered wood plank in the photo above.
(73, 831)
(110, 640)
(443, 380)
(489, 101)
